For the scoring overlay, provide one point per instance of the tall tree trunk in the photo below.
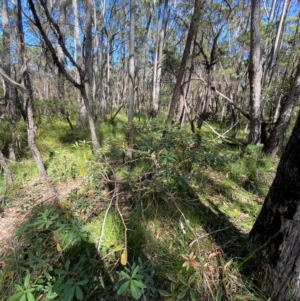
(194, 25)
(3, 164)
(275, 140)
(131, 88)
(255, 73)
(275, 236)
(158, 62)
(10, 101)
(88, 74)
(28, 97)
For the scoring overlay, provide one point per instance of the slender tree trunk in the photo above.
(275, 236)
(3, 164)
(158, 62)
(275, 140)
(88, 74)
(194, 25)
(28, 97)
(131, 71)
(10, 101)
(255, 73)
(275, 45)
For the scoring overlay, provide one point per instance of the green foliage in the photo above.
(24, 292)
(182, 287)
(253, 170)
(135, 280)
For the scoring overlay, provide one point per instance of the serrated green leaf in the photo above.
(182, 280)
(123, 287)
(78, 292)
(30, 296)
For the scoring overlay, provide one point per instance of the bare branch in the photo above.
(12, 82)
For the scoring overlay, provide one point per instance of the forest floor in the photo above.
(177, 205)
(29, 196)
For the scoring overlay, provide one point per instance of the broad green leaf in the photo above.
(69, 292)
(171, 277)
(193, 295)
(23, 298)
(83, 282)
(59, 271)
(123, 287)
(182, 293)
(135, 291)
(18, 287)
(120, 283)
(16, 296)
(165, 293)
(138, 284)
(191, 279)
(123, 274)
(135, 271)
(26, 281)
(139, 277)
(182, 280)
(30, 296)
(79, 293)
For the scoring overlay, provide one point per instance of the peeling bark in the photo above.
(276, 232)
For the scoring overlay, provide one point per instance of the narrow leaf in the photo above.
(139, 284)
(182, 293)
(26, 281)
(79, 293)
(123, 288)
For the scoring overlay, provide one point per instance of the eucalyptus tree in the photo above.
(131, 79)
(25, 87)
(275, 237)
(193, 28)
(10, 100)
(255, 74)
(159, 57)
(84, 70)
(276, 138)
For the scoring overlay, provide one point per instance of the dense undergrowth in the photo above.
(170, 225)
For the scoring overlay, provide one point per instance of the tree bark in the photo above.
(194, 25)
(275, 140)
(84, 71)
(3, 164)
(131, 71)
(28, 97)
(275, 235)
(157, 69)
(255, 74)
